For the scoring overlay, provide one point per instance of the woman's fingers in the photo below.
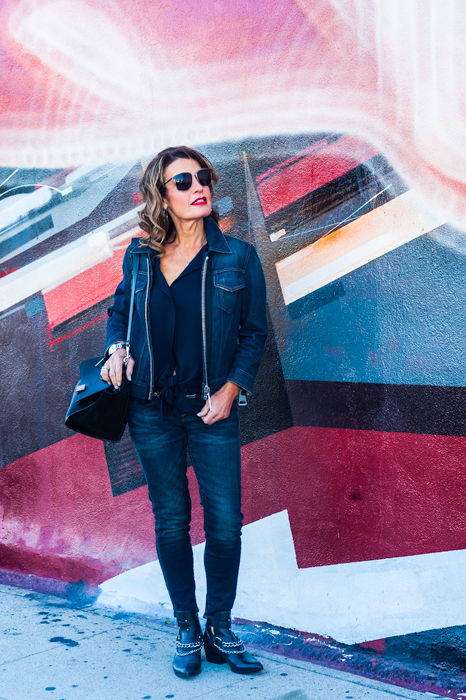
(129, 368)
(116, 371)
(105, 374)
(204, 411)
(115, 368)
(220, 410)
(220, 404)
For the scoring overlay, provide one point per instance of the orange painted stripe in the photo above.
(372, 235)
(227, 223)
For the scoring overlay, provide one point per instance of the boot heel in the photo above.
(212, 654)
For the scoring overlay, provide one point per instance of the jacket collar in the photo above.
(215, 238)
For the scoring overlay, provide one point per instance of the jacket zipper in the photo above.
(147, 328)
(206, 390)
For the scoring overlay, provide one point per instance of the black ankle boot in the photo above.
(187, 661)
(222, 646)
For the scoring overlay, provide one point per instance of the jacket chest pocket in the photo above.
(140, 290)
(228, 285)
(142, 278)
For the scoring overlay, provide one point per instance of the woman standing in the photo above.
(198, 335)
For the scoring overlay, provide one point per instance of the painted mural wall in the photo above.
(338, 129)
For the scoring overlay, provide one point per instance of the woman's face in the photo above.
(195, 203)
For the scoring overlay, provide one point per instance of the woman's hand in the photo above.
(115, 366)
(221, 404)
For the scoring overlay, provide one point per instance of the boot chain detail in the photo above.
(187, 648)
(231, 647)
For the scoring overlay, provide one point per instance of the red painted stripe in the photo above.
(316, 146)
(297, 177)
(75, 331)
(8, 272)
(356, 495)
(84, 290)
(57, 179)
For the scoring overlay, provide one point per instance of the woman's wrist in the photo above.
(114, 347)
(231, 389)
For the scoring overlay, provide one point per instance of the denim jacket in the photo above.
(233, 314)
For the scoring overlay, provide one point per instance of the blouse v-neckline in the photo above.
(190, 267)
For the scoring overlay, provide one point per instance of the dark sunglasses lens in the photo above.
(183, 181)
(205, 177)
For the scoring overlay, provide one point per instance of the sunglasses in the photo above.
(184, 181)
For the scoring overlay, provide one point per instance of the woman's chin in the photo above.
(200, 211)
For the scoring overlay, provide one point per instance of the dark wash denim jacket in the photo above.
(235, 314)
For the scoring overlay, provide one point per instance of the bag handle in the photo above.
(131, 305)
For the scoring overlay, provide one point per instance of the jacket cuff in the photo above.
(241, 378)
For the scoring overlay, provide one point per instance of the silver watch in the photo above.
(114, 347)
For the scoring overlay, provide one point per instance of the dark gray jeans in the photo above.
(215, 453)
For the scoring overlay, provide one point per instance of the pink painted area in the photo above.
(376, 644)
(60, 520)
(315, 167)
(355, 495)
(57, 180)
(351, 496)
(84, 290)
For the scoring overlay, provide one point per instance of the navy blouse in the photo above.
(176, 329)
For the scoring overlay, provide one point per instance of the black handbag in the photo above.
(97, 409)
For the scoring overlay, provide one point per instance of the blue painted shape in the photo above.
(314, 301)
(402, 320)
(224, 206)
(35, 306)
(16, 240)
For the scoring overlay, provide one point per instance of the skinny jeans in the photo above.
(215, 453)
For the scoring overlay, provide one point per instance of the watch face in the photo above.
(115, 346)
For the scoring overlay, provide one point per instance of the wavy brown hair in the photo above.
(159, 228)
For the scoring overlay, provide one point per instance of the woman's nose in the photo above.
(196, 186)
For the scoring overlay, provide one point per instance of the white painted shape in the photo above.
(52, 269)
(97, 238)
(57, 267)
(19, 206)
(277, 235)
(82, 171)
(349, 602)
(401, 230)
(144, 583)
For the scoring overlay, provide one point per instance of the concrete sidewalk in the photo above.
(52, 648)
